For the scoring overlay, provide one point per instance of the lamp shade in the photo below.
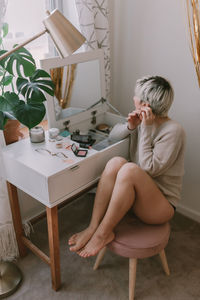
(66, 37)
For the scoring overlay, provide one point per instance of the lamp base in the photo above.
(10, 278)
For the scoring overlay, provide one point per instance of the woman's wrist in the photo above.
(130, 128)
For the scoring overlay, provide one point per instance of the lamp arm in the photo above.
(23, 44)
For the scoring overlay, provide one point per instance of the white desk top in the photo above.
(42, 162)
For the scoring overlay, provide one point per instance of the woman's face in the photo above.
(138, 103)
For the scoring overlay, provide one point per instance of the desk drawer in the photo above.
(61, 185)
(73, 178)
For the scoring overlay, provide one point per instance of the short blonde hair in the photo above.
(156, 91)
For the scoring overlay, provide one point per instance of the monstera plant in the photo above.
(22, 87)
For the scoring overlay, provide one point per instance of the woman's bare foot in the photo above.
(79, 240)
(96, 243)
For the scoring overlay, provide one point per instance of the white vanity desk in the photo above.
(52, 180)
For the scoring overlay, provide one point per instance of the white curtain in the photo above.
(94, 24)
(8, 244)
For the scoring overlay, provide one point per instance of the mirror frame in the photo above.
(56, 62)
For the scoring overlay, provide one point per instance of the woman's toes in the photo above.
(83, 253)
(74, 248)
(72, 239)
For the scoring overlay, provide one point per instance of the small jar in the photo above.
(37, 134)
(53, 133)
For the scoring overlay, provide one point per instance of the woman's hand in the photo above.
(134, 119)
(147, 116)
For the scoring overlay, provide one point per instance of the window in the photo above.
(25, 20)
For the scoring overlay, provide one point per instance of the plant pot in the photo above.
(12, 131)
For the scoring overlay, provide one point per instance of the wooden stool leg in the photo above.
(164, 262)
(132, 277)
(52, 221)
(16, 216)
(99, 258)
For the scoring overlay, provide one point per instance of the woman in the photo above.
(151, 186)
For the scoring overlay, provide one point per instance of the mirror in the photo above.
(79, 83)
(77, 88)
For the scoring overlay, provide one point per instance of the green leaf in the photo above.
(37, 96)
(2, 61)
(35, 88)
(1, 71)
(30, 114)
(1, 40)
(3, 120)
(39, 73)
(7, 80)
(8, 101)
(21, 85)
(15, 62)
(5, 29)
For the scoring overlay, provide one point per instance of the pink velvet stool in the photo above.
(135, 239)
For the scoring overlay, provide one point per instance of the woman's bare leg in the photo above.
(133, 187)
(103, 195)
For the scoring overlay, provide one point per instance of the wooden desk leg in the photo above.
(53, 233)
(16, 215)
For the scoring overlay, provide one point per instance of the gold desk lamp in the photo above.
(67, 40)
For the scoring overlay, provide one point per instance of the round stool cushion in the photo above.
(135, 239)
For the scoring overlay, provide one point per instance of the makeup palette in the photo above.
(78, 152)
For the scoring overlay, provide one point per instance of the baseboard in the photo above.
(188, 212)
(34, 218)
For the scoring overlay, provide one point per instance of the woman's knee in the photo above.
(129, 171)
(115, 164)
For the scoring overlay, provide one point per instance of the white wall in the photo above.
(150, 38)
